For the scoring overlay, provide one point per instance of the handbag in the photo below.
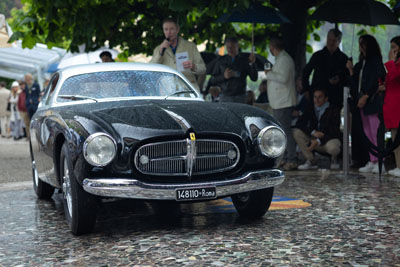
(8, 106)
(374, 104)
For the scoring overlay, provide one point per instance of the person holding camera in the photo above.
(230, 72)
(282, 96)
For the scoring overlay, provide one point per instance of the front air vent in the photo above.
(187, 157)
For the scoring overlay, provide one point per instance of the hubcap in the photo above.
(67, 188)
(243, 197)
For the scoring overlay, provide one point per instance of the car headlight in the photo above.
(272, 141)
(99, 149)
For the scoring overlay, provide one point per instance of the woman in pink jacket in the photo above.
(391, 105)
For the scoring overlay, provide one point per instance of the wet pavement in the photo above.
(351, 221)
(15, 161)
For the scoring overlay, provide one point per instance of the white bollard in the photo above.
(346, 93)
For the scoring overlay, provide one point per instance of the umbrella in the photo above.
(255, 14)
(367, 12)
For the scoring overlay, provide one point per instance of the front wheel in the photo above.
(254, 204)
(80, 207)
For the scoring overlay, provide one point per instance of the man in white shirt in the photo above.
(282, 96)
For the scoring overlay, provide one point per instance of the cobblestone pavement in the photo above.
(15, 161)
(352, 221)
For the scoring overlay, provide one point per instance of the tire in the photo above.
(43, 190)
(80, 207)
(254, 204)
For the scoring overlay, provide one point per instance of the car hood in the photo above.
(146, 119)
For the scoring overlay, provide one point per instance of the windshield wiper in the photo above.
(180, 92)
(77, 97)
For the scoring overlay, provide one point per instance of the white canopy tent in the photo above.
(15, 61)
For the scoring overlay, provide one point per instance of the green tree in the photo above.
(135, 25)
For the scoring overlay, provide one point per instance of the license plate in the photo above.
(195, 193)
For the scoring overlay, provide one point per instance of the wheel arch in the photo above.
(59, 141)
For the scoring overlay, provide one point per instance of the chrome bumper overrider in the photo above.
(131, 188)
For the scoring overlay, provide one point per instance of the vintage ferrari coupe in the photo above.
(129, 130)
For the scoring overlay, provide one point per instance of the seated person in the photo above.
(318, 129)
(263, 96)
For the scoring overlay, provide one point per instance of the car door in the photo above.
(42, 136)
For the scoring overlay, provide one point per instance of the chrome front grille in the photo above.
(187, 157)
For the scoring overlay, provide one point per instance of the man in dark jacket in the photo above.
(230, 72)
(32, 92)
(318, 129)
(329, 66)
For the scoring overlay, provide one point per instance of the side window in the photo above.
(51, 87)
(44, 94)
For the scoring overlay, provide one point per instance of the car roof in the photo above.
(111, 66)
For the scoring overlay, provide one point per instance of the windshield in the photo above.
(111, 84)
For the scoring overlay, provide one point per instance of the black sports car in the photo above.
(127, 130)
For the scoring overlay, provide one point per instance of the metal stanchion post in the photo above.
(346, 159)
(346, 93)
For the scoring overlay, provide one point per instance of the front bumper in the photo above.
(131, 188)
